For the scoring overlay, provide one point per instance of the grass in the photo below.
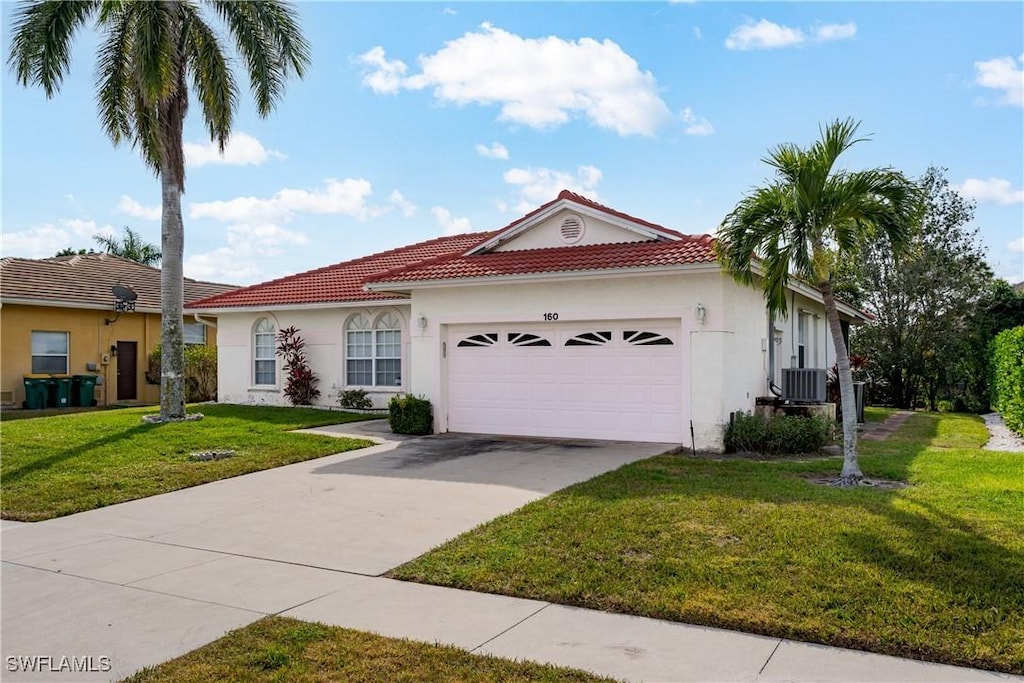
(934, 571)
(59, 465)
(280, 649)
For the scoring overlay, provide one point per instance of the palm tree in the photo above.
(130, 247)
(804, 223)
(149, 56)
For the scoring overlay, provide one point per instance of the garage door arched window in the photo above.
(264, 360)
(373, 352)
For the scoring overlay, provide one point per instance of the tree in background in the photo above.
(936, 307)
(809, 219)
(71, 251)
(131, 247)
(150, 55)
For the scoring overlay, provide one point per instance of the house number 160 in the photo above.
(551, 317)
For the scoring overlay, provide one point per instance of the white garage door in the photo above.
(620, 380)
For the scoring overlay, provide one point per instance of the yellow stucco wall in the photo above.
(89, 341)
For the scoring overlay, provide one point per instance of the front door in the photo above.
(127, 379)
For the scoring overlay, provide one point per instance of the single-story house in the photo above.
(60, 316)
(576, 320)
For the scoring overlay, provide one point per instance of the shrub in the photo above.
(778, 435)
(410, 415)
(355, 399)
(1006, 363)
(200, 371)
(300, 385)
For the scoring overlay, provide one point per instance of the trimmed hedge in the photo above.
(411, 415)
(777, 436)
(1006, 360)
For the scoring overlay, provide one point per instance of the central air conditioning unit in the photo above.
(803, 385)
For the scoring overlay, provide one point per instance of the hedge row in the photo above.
(1006, 354)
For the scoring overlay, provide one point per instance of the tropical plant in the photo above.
(150, 55)
(131, 247)
(71, 251)
(354, 399)
(200, 371)
(301, 384)
(803, 223)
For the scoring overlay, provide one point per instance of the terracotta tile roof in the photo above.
(85, 281)
(651, 254)
(341, 281)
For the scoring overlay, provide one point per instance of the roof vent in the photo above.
(572, 229)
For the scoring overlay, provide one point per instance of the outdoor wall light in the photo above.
(113, 349)
(422, 322)
(701, 313)
(777, 333)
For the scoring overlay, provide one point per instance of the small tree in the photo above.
(301, 384)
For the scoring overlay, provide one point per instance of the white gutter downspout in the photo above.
(208, 323)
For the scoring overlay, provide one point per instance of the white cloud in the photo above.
(449, 11)
(342, 197)
(408, 208)
(495, 151)
(993, 190)
(697, 33)
(767, 35)
(538, 82)
(450, 225)
(1004, 74)
(265, 239)
(829, 32)
(129, 206)
(695, 125)
(225, 264)
(46, 239)
(539, 185)
(240, 150)
(385, 76)
(1016, 246)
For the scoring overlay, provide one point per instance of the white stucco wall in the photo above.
(722, 357)
(324, 332)
(546, 233)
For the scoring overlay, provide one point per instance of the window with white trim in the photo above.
(803, 339)
(50, 353)
(373, 353)
(194, 333)
(264, 358)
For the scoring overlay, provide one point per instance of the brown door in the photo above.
(127, 380)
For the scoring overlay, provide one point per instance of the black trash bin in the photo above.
(60, 392)
(83, 390)
(37, 389)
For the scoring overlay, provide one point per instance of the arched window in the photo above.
(373, 352)
(264, 360)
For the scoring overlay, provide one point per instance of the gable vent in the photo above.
(572, 229)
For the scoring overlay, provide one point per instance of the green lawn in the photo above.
(934, 571)
(59, 465)
(279, 649)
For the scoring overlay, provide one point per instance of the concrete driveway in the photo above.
(147, 580)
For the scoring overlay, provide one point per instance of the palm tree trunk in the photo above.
(851, 473)
(172, 295)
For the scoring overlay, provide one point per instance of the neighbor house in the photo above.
(58, 316)
(575, 320)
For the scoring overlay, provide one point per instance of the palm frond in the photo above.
(268, 38)
(212, 79)
(41, 40)
(114, 80)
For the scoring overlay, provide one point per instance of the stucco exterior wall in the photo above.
(546, 234)
(708, 359)
(89, 341)
(324, 333)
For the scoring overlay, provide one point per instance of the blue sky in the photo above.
(420, 119)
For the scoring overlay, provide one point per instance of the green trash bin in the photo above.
(37, 388)
(83, 390)
(60, 392)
